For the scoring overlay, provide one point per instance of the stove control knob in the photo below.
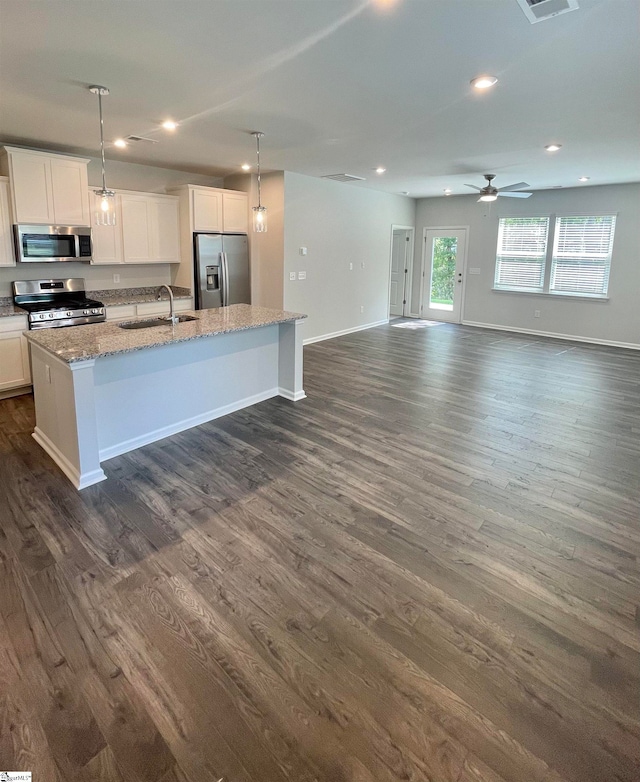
(51, 314)
(69, 313)
(94, 312)
(86, 312)
(41, 317)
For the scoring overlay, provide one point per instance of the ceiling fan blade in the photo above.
(517, 186)
(514, 195)
(475, 187)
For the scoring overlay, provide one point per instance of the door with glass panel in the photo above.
(443, 273)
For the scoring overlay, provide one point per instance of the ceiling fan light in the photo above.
(483, 82)
(488, 197)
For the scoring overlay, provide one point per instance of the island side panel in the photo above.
(146, 395)
(290, 361)
(65, 416)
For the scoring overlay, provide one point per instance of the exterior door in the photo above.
(400, 241)
(443, 273)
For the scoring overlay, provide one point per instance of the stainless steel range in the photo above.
(54, 303)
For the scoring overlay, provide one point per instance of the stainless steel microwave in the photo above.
(52, 243)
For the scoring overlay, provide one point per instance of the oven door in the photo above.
(49, 244)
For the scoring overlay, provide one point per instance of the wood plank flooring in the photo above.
(427, 570)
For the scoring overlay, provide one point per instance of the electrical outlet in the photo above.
(116, 278)
(302, 275)
(292, 275)
(362, 265)
(303, 251)
(361, 310)
(350, 267)
(536, 313)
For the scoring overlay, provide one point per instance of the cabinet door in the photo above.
(14, 361)
(69, 187)
(106, 240)
(207, 210)
(31, 183)
(234, 212)
(165, 230)
(7, 257)
(136, 229)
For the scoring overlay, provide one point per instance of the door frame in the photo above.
(425, 263)
(406, 307)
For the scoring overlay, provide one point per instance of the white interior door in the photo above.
(400, 246)
(443, 273)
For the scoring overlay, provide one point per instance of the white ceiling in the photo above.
(336, 85)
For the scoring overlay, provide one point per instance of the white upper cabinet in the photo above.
(45, 188)
(235, 215)
(7, 257)
(207, 209)
(147, 230)
(165, 229)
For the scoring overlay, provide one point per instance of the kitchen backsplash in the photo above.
(96, 277)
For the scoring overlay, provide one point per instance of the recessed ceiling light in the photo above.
(120, 142)
(483, 82)
(553, 147)
(169, 124)
(380, 170)
(246, 167)
(584, 179)
(447, 191)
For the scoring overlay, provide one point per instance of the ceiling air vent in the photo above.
(538, 10)
(135, 139)
(343, 177)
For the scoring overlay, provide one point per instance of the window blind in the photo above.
(522, 251)
(582, 255)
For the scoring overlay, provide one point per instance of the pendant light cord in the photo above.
(258, 155)
(104, 176)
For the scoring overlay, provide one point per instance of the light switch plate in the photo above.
(302, 275)
(303, 251)
(292, 275)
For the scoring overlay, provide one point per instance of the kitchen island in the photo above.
(102, 390)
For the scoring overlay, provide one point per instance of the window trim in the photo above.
(551, 238)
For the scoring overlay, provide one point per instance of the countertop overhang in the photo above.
(82, 343)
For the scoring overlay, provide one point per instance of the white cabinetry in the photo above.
(207, 209)
(46, 188)
(7, 257)
(235, 216)
(14, 354)
(147, 231)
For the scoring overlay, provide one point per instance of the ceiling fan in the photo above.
(490, 193)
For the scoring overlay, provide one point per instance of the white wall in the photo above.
(340, 225)
(616, 320)
(124, 176)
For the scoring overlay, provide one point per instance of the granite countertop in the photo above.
(110, 298)
(115, 297)
(97, 340)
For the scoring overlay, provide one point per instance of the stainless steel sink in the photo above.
(153, 322)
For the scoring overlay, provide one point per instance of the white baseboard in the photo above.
(552, 335)
(186, 423)
(80, 481)
(291, 396)
(334, 334)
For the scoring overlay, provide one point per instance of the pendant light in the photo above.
(105, 208)
(259, 212)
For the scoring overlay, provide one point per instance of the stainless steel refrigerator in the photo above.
(221, 270)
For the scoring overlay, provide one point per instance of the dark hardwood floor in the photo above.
(427, 570)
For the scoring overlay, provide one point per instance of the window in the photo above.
(582, 255)
(522, 253)
(578, 264)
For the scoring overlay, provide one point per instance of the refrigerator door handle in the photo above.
(225, 278)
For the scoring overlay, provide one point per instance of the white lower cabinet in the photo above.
(15, 371)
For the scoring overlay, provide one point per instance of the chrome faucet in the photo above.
(173, 318)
